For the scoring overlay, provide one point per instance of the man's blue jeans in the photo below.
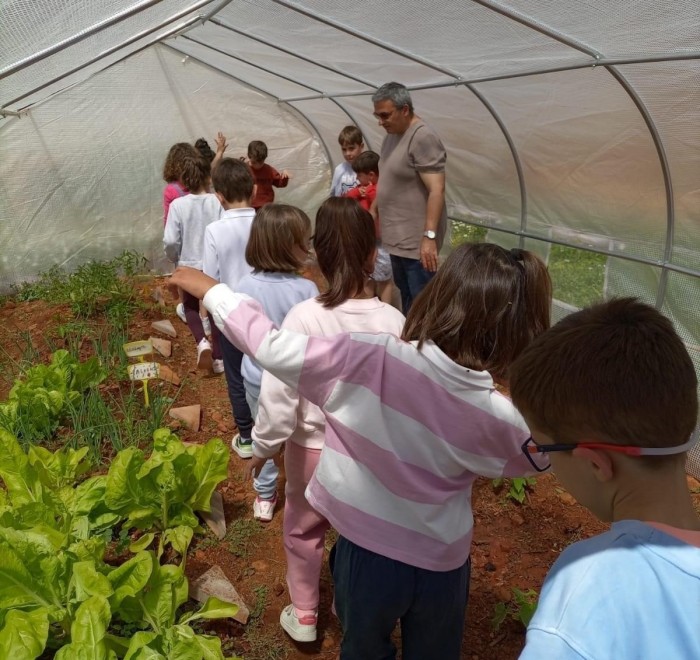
(373, 592)
(410, 277)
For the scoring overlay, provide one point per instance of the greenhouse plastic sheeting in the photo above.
(566, 123)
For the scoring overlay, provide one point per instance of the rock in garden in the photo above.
(163, 346)
(215, 518)
(168, 375)
(188, 415)
(158, 295)
(164, 326)
(215, 583)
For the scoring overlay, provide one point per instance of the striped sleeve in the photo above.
(312, 365)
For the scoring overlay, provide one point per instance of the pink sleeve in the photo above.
(170, 192)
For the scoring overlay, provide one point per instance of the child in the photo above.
(352, 145)
(183, 241)
(344, 245)
(610, 395)
(172, 174)
(265, 176)
(277, 249)
(366, 167)
(225, 244)
(213, 157)
(410, 423)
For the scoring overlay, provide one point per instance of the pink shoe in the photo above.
(263, 509)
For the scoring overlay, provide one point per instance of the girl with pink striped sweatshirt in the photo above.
(345, 249)
(410, 424)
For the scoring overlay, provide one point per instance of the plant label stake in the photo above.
(144, 371)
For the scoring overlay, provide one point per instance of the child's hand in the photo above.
(194, 281)
(221, 144)
(255, 464)
(363, 191)
(286, 175)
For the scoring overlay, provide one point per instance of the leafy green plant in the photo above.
(521, 607)
(93, 288)
(162, 492)
(517, 487)
(38, 402)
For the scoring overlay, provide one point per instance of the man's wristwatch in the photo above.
(429, 233)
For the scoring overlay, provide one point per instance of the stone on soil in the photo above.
(215, 583)
(163, 346)
(188, 415)
(215, 518)
(168, 375)
(165, 326)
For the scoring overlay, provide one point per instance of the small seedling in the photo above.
(518, 487)
(521, 607)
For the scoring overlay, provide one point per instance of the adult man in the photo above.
(410, 192)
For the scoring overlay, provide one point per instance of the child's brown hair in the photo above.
(483, 307)
(344, 241)
(349, 136)
(195, 172)
(257, 151)
(172, 168)
(233, 181)
(275, 232)
(616, 372)
(205, 151)
(366, 163)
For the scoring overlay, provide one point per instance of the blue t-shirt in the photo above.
(632, 593)
(277, 293)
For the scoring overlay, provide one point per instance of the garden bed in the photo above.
(514, 543)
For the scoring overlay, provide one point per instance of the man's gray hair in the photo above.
(394, 92)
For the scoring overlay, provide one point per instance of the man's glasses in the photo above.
(530, 448)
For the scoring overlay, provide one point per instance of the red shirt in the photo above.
(363, 194)
(265, 178)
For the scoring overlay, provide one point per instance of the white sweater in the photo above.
(188, 218)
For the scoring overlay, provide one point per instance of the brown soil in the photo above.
(514, 545)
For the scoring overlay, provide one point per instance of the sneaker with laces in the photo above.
(244, 448)
(180, 311)
(204, 361)
(206, 325)
(263, 509)
(217, 366)
(299, 629)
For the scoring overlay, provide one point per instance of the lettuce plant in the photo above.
(37, 402)
(163, 492)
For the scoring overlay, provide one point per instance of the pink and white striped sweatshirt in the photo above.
(407, 432)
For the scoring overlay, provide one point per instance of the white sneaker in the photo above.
(180, 311)
(263, 509)
(204, 361)
(206, 325)
(241, 447)
(217, 366)
(300, 630)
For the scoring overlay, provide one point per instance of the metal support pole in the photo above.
(124, 44)
(83, 34)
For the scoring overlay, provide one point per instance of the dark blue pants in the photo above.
(236, 390)
(410, 277)
(373, 592)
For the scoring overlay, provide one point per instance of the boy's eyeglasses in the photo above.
(530, 447)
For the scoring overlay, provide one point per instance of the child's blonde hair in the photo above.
(275, 232)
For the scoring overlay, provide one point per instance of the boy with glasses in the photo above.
(610, 395)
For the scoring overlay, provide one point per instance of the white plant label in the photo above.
(144, 370)
(138, 348)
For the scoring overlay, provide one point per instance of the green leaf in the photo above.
(88, 632)
(24, 634)
(145, 646)
(89, 495)
(142, 543)
(183, 644)
(88, 582)
(166, 591)
(21, 573)
(214, 608)
(211, 647)
(123, 491)
(130, 578)
(211, 468)
(179, 537)
(19, 477)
